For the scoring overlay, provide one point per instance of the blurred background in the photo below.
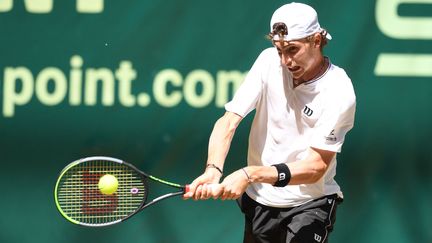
(144, 81)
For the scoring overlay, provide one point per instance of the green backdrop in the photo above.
(145, 81)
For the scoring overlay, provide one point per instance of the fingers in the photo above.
(205, 187)
(216, 190)
(203, 191)
(231, 193)
(207, 191)
(234, 185)
(199, 189)
(193, 187)
(191, 190)
(198, 192)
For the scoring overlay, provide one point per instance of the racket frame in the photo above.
(144, 203)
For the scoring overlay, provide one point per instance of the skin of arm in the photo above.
(305, 58)
(219, 145)
(306, 171)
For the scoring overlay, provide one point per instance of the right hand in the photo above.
(205, 186)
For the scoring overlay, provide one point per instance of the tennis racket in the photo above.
(80, 201)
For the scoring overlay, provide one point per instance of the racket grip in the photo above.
(187, 188)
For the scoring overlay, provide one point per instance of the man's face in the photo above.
(301, 57)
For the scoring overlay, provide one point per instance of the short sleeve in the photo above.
(333, 125)
(249, 92)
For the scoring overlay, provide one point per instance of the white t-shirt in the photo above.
(288, 121)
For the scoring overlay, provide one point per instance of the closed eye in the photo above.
(292, 49)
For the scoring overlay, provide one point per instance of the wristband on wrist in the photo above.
(284, 175)
(214, 166)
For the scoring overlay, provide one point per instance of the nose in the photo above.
(286, 60)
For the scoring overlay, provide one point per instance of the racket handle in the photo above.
(212, 186)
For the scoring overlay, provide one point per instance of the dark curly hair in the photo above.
(280, 29)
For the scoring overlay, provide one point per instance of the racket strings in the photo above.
(80, 198)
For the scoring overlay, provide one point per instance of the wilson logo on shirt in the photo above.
(307, 111)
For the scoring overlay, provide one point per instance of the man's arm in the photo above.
(306, 171)
(219, 144)
(221, 137)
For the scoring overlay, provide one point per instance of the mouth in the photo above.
(294, 69)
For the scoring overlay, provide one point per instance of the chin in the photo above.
(299, 76)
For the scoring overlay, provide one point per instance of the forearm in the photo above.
(220, 139)
(300, 174)
(261, 174)
(306, 171)
(219, 144)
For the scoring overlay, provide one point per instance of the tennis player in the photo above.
(304, 106)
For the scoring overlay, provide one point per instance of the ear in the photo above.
(317, 39)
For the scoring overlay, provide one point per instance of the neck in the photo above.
(319, 70)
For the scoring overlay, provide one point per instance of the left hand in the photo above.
(234, 185)
(200, 188)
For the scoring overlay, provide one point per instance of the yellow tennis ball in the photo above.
(108, 184)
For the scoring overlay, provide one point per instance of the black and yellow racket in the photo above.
(101, 191)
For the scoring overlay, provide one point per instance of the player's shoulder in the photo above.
(270, 54)
(267, 59)
(270, 51)
(340, 84)
(338, 73)
(339, 77)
